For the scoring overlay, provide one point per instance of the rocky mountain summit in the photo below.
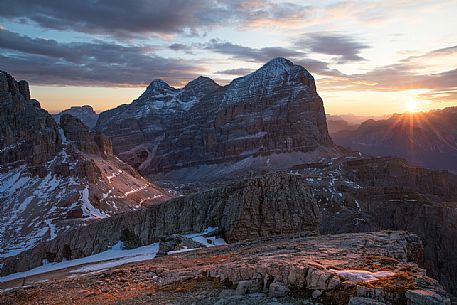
(27, 132)
(85, 113)
(273, 110)
(55, 176)
(427, 139)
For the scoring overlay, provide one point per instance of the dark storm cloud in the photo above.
(117, 17)
(44, 61)
(263, 55)
(345, 47)
(123, 19)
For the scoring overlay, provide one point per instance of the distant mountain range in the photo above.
(353, 119)
(426, 139)
(85, 113)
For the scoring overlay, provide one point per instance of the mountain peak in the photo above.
(85, 113)
(15, 88)
(199, 80)
(201, 83)
(279, 61)
(158, 84)
(278, 64)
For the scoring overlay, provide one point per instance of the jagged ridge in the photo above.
(275, 109)
(54, 176)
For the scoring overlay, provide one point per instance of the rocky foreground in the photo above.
(360, 268)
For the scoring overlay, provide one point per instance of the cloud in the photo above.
(377, 12)
(408, 73)
(250, 54)
(94, 63)
(345, 47)
(263, 55)
(405, 75)
(440, 95)
(399, 77)
(239, 71)
(180, 47)
(257, 13)
(122, 19)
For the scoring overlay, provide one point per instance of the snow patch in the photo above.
(87, 208)
(52, 229)
(136, 190)
(363, 275)
(114, 175)
(62, 136)
(206, 241)
(113, 257)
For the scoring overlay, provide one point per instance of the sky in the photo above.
(368, 57)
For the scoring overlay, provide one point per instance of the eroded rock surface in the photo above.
(288, 269)
(362, 194)
(269, 205)
(27, 132)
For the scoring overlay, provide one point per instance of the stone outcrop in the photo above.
(270, 205)
(27, 132)
(423, 201)
(368, 268)
(388, 172)
(360, 194)
(85, 113)
(276, 109)
(84, 139)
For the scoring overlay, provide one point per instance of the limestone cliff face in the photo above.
(270, 205)
(27, 132)
(273, 110)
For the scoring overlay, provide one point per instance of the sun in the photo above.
(411, 106)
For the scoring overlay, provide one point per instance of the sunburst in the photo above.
(412, 106)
